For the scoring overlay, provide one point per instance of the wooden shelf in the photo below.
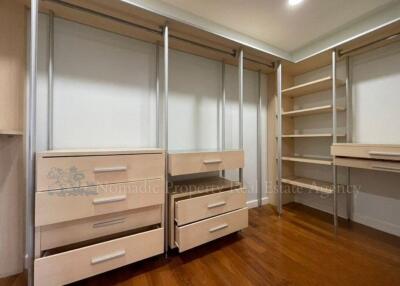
(316, 135)
(311, 87)
(306, 183)
(327, 162)
(312, 110)
(11, 132)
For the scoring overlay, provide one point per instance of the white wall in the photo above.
(376, 81)
(104, 96)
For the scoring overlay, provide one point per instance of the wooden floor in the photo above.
(299, 248)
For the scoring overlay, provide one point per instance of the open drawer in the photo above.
(195, 234)
(77, 264)
(199, 162)
(189, 210)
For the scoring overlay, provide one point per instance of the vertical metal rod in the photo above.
(279, 135)
(166, 81)
(30, 143)
(240, 79)
(158, 141)
(223, 144)
(259, 143)
(334, 135)
(349, 195)
(50, 84)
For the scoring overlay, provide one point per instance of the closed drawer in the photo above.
(74, 265)
(71, 204)
(66, 233)
(379, 152)
(199, 162)
(194, 209)
(378, 165)
(54, 173)
(198, 233)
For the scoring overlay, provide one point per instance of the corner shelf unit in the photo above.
(287, 136)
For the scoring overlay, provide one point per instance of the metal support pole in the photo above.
(334, 135)
(349, 195)
(158, 141)
(240, 79)
(223, 143)
(50, 85)
(166, 204)
(30, 144)
(259, 143)
(279, 135)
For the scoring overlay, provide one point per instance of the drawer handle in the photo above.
(212, 161)
(397, 169)
(109, 222)
(109, 200)
(220, 204)
(108, 257)
(111, 169)
(378, 153)
(222, 226)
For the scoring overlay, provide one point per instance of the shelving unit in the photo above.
(287, 136)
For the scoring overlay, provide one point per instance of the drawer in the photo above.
(378, 165)
(71, 204)
(379, 152)
(192, 235)
(199, 162)
(74, 265)
(197, 208)
(66, 233)
(54, 173)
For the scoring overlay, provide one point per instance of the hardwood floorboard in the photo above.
(299, 248)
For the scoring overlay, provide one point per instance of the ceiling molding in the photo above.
(174, 13)
(366, 25)
(382, 18)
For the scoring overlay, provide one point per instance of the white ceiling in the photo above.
(276, 23)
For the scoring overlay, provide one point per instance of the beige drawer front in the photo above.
(378, 165)
(199, 162)
(61, 234)
(84, 262)
(65, 205)
(54, 173)
(194, 209)
(192, 235)
(378, 152)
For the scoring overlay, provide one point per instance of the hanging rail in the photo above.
(233, 53)
(342, 53)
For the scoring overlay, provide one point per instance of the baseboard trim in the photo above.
(377, 224)
(254, 203)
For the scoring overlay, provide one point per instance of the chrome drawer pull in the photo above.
(110, 169)
(109, 200)
(397, 169)
(107, 257)
(109, 222)
(222, 226)
(220, 204)
(378, 153)
(212, 161)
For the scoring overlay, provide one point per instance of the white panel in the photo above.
(194, 88)
(104, 89)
